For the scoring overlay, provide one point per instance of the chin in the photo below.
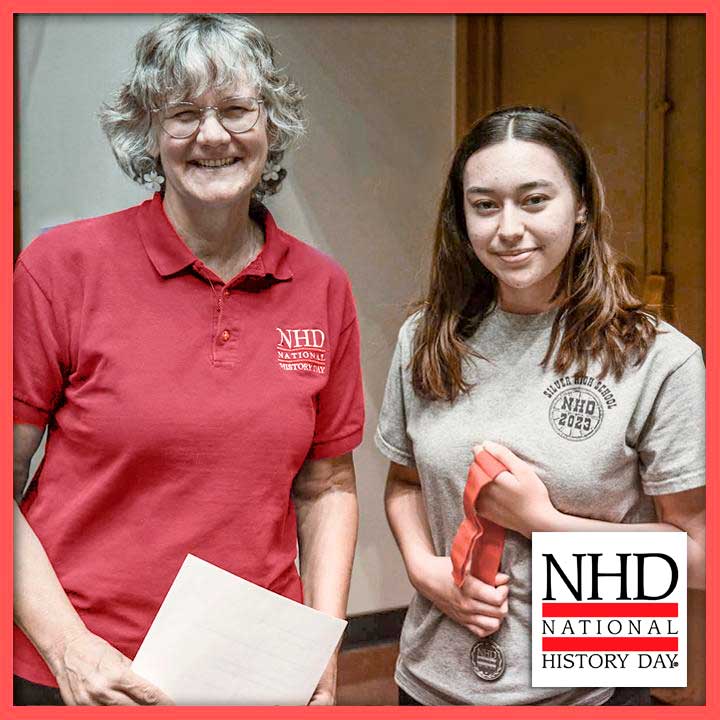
(229, 188)
(217, 200)
(221, 198)
(519, 283)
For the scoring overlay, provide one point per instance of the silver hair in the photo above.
(184, 57)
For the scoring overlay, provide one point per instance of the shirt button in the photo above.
(226, 293)
(225, 335)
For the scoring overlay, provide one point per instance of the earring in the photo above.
(151, 181)
(272, 172)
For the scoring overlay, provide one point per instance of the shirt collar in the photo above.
(169, 254)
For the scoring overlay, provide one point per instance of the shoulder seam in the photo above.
(696, 350)
(34, 279)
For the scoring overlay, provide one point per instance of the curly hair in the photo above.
(184, 57)
(599, 318)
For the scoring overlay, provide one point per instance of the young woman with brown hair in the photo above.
(531, 343)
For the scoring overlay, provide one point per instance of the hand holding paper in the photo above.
(93, 672)
(221, 640)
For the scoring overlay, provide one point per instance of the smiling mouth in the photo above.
(225, 162)
(516, 256)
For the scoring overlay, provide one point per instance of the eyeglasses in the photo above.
(236, 114)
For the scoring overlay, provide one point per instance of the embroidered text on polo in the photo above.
(302, 349)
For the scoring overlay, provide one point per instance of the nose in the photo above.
(511, 226)
(211, 130)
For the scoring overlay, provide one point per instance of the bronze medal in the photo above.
(487, 660)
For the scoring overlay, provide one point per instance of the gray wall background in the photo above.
(364, 185)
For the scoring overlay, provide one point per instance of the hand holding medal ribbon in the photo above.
(478, 544)
(477, 550)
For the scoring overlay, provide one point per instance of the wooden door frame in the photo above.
(477, 68)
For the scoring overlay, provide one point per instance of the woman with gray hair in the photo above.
(197, 369)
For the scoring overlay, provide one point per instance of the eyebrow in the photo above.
(532, 185)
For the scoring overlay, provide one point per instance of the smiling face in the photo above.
(520, 214)
(214, 168)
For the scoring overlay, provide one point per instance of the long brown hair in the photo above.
(600, 318)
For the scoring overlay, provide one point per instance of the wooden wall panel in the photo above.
(684, 191)
(684, 252)
(592, 71)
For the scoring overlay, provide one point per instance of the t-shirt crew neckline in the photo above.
(520, 322)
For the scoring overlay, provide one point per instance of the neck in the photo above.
(533, 299)
(527, 301)
(224, 238)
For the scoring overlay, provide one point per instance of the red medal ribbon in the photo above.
(478, 544)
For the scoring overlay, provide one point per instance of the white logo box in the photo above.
(631, 632)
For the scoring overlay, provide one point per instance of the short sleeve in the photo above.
(39, 356)
(340, 406)
(672, 442)
(391, 436)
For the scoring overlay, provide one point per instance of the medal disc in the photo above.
(487, 659)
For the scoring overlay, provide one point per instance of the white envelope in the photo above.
(221, 640)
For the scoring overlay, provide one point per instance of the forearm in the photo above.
(556, 521)
(478, 607)
(89, 671)
(41, 607)
(327, 533)
(405, 509)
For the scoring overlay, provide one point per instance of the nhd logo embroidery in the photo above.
(609, 609)
(302, 350)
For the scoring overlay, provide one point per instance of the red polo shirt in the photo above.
(180, 409)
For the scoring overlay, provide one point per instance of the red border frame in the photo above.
(712, 14)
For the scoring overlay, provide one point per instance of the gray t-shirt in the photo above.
(601, 447)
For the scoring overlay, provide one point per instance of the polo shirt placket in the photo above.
(227, 301)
